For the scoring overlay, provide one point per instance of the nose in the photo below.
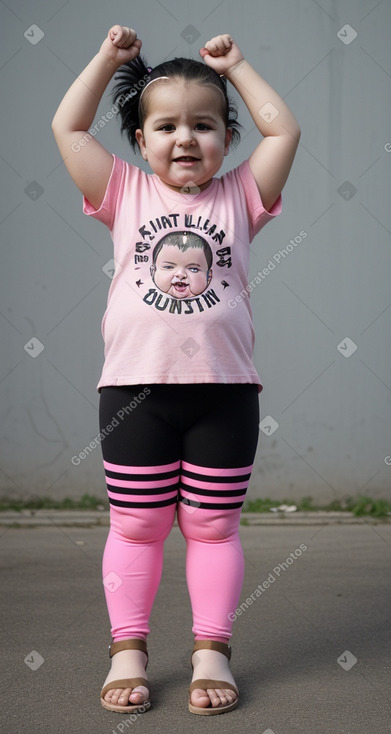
(180, 272)
(185, 136)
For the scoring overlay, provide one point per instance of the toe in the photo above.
(109, 695)
(225, 696)
(219, 697)
(200, 698)
(215, 698)
(123, 698)
(120, 696)
(139, 695)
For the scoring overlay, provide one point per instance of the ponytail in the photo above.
(131, 78)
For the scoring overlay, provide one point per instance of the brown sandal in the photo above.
(205, 683)
(133, 644)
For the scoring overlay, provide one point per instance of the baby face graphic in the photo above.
(182, 266)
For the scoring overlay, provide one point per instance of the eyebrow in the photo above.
(197, 116)
(169, 262)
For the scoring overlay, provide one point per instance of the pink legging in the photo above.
(143, 501)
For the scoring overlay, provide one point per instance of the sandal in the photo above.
(205, 683)
(133, 644)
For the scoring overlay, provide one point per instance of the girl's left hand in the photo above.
(221, 53)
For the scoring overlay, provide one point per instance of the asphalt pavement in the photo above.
(311, 641)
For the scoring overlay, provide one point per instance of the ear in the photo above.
(141, 141)
(228, 138)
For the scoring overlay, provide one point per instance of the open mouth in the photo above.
(186, 159)
(180, 286)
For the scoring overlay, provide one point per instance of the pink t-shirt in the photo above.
(180, 260)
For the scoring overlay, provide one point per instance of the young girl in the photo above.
(178, 388)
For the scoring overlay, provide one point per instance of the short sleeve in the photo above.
(258, 216)
(106, 211)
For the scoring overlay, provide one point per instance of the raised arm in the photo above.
(272, 159)
(87, 161)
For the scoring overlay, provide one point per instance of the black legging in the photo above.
(168, 447)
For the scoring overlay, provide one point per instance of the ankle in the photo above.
(225, 640)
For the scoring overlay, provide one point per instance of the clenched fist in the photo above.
(221, 53)
(121, 44)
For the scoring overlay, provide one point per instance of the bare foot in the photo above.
(127, 664)
(214, 665)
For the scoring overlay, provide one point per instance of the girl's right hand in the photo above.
(121, 44)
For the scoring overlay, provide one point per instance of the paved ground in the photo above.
(311, 654)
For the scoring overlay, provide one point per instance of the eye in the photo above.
(194, 269)
(167, 128)
(203, 126)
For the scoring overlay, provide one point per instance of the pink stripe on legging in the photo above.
(212, 500)
(215, 485)
(122, 469)
(143, 497)
(216, 472)
(139, 485)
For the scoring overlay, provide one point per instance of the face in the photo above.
(181, 274)
(184, 138)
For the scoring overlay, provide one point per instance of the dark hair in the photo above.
(184, 241)
(133, 77)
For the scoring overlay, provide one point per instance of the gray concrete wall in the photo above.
(322, 313)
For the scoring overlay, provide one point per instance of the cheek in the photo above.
(197, 279)
(162, 276)
(215, 145)
(154, 153)
(156, 150)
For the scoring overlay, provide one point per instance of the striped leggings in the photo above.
(176, 448)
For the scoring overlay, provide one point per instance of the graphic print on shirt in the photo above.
(180, 264)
